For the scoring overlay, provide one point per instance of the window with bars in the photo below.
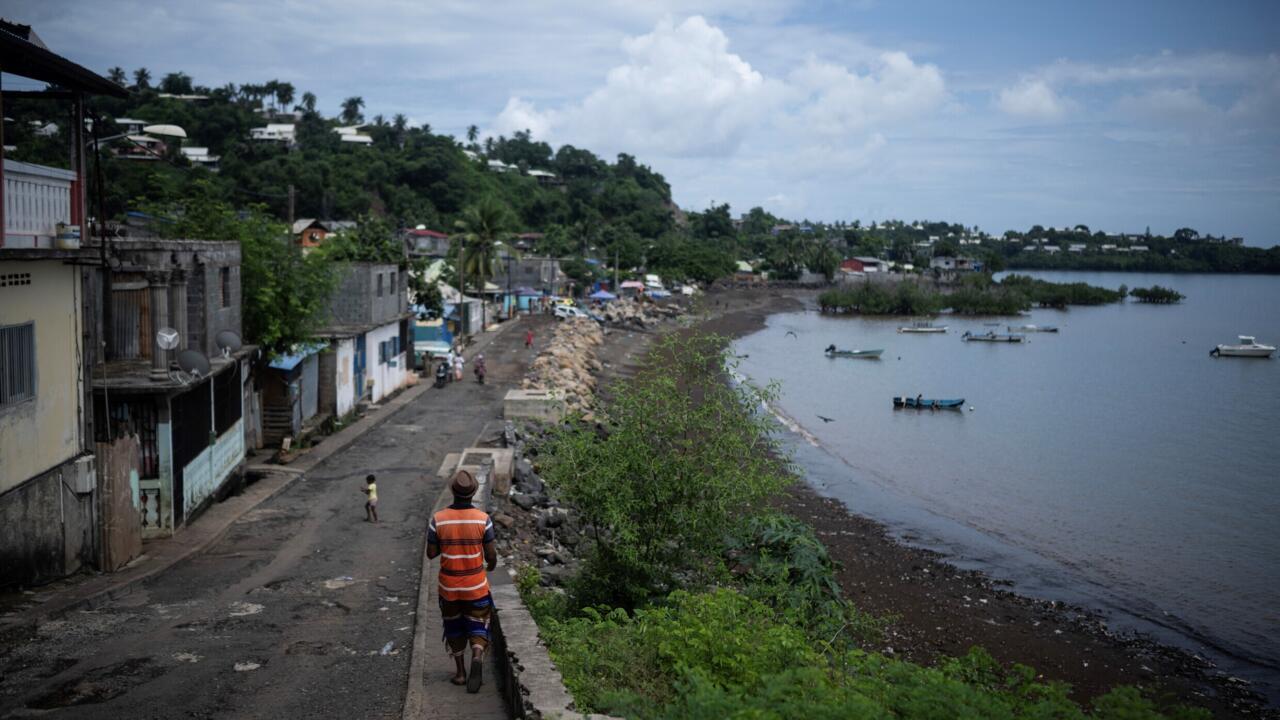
(17, 364)
(225, 278)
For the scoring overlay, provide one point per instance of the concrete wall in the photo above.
(208, 470)
(39, 434)
(46, 529)
(345, 381)
(356, 301)
(389, 376)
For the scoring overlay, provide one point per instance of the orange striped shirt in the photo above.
(461, 534)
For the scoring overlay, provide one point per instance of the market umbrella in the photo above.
(603, 295)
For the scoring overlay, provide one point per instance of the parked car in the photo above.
(569, 311)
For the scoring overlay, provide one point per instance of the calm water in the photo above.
(1114, 464)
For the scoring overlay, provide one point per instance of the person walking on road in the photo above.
(371, 502)
(528, 339)
(462, 536)
(448, 363)
(457, 366)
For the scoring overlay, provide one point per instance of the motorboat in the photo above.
(833, 351)
(991, 337)
(1248, 347)
(924, 403)
(922, 326)
(1033, 328)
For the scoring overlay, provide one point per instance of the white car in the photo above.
(569, 311)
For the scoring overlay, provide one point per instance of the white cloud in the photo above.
(680, 92)
(838, 101)
(1032, 99)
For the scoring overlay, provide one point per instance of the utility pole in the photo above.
(615, 269)
(291, 199)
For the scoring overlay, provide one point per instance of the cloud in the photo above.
(838, 101)
(1032, 99)
(680, 92)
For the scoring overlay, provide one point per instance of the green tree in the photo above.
(142, 79)
(176, 83)
(473, 132)
(351, 110)
(479, 230)
(117, 76)
(308, 102)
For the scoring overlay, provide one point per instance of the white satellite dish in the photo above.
(167, 338)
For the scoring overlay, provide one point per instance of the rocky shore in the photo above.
(936, 609)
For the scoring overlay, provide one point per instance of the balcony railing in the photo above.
(36, 200)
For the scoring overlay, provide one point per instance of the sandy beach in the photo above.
(938, 610)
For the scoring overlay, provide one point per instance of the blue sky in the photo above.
(1118, 115)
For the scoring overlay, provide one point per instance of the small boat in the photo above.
(991, 337)
(1248, 347)
(1033, 328)
(833, 351)
(922, 326)
(924, 403)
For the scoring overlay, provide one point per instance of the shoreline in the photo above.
(941, 610)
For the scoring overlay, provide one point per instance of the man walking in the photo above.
(462, 537)
(528, 339)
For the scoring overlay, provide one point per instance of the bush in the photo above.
(1157, 295)
(722, 654)
(685, 457)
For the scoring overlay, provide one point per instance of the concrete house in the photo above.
(184, 406)
(51, 491)
(274, 132)
(421, 242)
(367, 338)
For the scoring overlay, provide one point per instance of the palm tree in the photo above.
(473, 132)
(284, 94)
(479, 230)
(308, 102)
(400, 124)
(142, 78)
(117, 76)
(351, 110)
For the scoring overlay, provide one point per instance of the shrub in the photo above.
(685, 457)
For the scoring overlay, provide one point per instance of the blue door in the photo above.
(359, 367)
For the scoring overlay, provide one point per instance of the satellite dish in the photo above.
(167, 338)
(193, 362)
(227, 341)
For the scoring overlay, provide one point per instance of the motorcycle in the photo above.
(442, 375)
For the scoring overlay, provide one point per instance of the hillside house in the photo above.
(283, 133)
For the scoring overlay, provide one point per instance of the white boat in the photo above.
(1248, 347)
(922, 326)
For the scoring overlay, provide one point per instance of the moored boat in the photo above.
(922, 326)
(991, 337)
(1033, 328)
(1248, 347)
(924, 403)
(833, 351)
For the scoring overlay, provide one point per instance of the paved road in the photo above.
(301, 610)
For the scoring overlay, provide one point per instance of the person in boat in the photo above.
(919, 400)
(831, 348)
(934, 406)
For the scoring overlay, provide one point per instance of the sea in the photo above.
(1114, 465)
